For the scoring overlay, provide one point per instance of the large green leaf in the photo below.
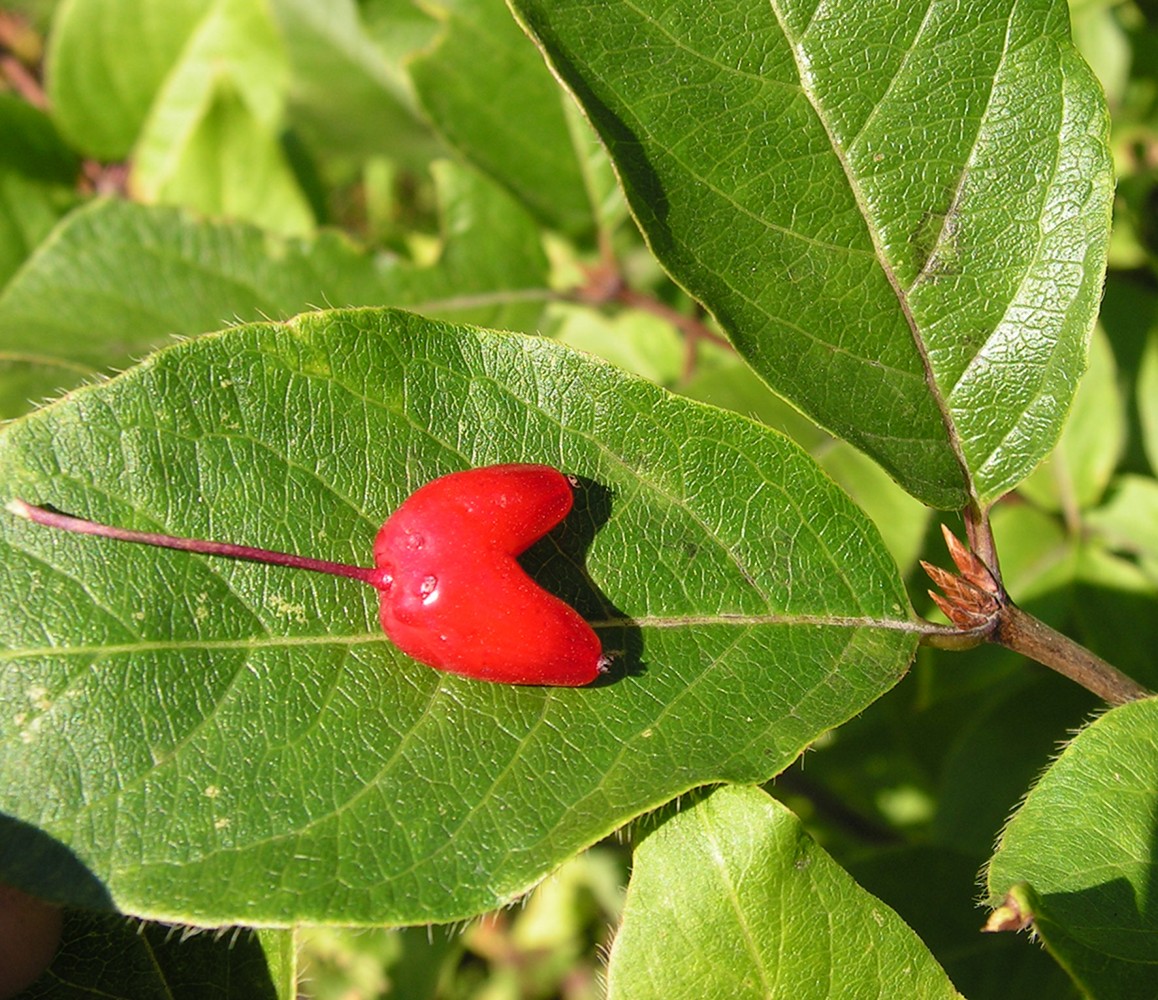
(899, 212)
(1079, 855)
(487, 90)
(198, 101)
(117, 279)
(731, 898)
(218, 741)
(212, 140)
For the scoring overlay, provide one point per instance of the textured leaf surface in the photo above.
(218, 741)
(117, 279)
(899, 212)
(1082, 850)
(732, 898)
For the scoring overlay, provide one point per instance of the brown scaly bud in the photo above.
(971, 600)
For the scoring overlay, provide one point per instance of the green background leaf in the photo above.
(106, 63)
(117, 279)
(37, 172)
(730, 897)
(218, 741)
(899, 213)
(1083, 843)
(486, 89)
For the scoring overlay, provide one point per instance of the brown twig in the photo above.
(975, 601)
(605, 285)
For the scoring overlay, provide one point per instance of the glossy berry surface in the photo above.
(453, 595)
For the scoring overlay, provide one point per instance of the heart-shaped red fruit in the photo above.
(453, 593)
(455, 596)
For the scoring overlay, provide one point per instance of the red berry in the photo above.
(453, 593)
(456, 597)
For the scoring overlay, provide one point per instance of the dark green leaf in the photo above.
(933, 889)
(37, 172)
(107, 957)
(898, 212)
(486, 89)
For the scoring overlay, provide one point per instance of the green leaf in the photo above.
(731, 898)
(117, 279)
(1000, 752)
(212, 138)
(37, 173)
(281, 958)
(1116, 606)
(1080, 851)
(1148, 398)
(1128, 522)
(219, 741)
(107, 61)
(106, 957)
(487, 91)
(344, 93)
(1078, 470)
(899, 212)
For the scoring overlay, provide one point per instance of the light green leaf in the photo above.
(212, 137)
(1080, 853)
(1128, 521)
(731, 898)
(107, 61)
(344, 93)
(636, 341)
(899, 212)
(228, 165)
(1116, 608)
(487, 91)
(219, 741)
(117, 279)
(281, 958)
(1148, 398)
(1077, 472)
